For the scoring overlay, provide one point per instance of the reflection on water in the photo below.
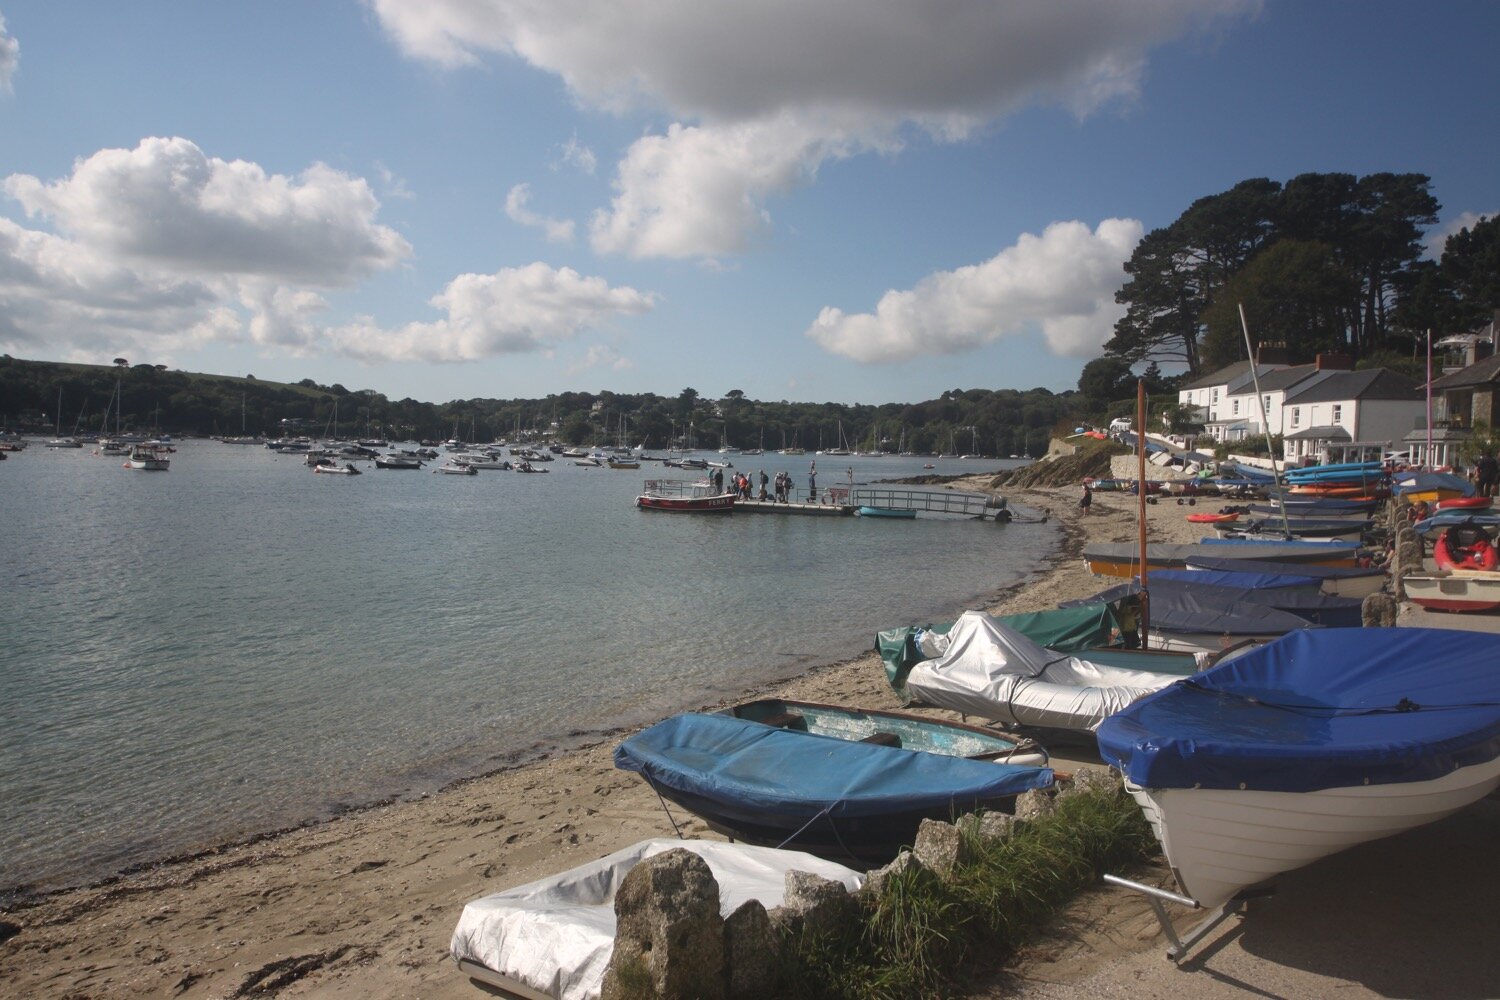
(238, 644)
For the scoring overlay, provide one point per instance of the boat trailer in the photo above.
(1180, 945)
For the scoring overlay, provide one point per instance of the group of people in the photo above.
(744, 486)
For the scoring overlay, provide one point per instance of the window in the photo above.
(1236, 406)
(1216, 395)
(1296, 415)
(1266, 402)
(1338, 412)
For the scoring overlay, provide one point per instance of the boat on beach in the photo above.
(1460, 590)
(857, 803)
(899, 729)
(684, 496)
(987, 669)
(1124, 558)
(1315, 743)
(1341, 581)
(553, 938)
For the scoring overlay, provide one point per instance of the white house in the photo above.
(1206, 397)
(1241, 417)
(1349, 416)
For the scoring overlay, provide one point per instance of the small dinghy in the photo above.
(897, 729)
(859, 803)
(1315, 743)
(554, 937)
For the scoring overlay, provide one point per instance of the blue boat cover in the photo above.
(1333, 543)
(1457, 519)
(1178, 607)
(1248, 473)
(1319, 709)
(1232, 578)
(785, 772)
(1197, 564)
(1421, 482)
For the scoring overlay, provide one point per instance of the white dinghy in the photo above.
(554, 937)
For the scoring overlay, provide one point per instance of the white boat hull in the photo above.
(1220, 841)
(1455, 591)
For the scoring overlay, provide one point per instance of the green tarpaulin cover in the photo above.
(1066, 630)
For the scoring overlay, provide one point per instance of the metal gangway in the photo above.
(956, 502)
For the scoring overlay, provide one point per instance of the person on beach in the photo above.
(1487, 474)
(1088, 498)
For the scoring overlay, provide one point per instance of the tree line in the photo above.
(144, 397)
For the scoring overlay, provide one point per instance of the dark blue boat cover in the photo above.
(1332, 543)
(1196, 564)
(1230, 578)
(1319, 709)
(794, 773)
(1178, 607)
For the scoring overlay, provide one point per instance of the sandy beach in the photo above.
(363, 906)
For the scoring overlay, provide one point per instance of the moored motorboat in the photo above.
(857, 803)
(1315, 743)
(684, 496)
(398, 461)
(150, 458)
(336, 470)
(456, 469)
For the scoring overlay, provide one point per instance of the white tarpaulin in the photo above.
(556, 935)
(983, 668)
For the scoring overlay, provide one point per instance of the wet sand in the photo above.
(363, 906)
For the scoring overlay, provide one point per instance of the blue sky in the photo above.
(849, 200)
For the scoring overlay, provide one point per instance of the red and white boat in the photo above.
(1454, 590)
(684, 496)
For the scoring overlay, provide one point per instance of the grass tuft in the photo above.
(924, 936)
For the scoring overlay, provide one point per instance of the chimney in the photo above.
(1270, 353)
(1333, 361)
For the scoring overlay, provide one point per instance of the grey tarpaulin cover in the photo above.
(984, 668)
(556, 935)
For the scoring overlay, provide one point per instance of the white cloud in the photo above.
(1438, 238)
(392, 185)
(515, 310)
(601, 356)
(558, 230)
(1062, 282)
(809, 80)
(10, 57)
(576, 154)
(168, 205)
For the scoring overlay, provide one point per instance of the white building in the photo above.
(1349, 416)
(1206, 397)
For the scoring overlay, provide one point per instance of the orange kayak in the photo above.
(1212, 518)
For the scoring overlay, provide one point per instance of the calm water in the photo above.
(237, 645)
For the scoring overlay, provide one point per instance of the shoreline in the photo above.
(364, 902)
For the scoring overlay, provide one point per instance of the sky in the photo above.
(856, 201)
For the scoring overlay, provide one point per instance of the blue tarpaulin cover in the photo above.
(1421, 482)
(1230, 578)
(1197, 564)
(1319, 709)
(1178, 607)
(1444, 519)
(1331, 543)
(786, 772)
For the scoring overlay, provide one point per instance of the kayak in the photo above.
(1213, 518)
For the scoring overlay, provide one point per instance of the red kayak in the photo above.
(1213, 518)
(1464, 503)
